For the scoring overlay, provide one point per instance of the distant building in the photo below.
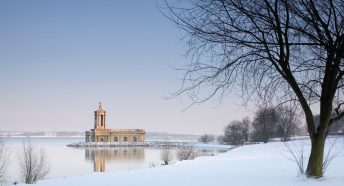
(101, 134)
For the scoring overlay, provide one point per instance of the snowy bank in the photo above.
(251, 165)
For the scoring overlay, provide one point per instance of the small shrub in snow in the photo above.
(296, 154)
(186, 153)
(166, 154)
(33, 163)
(332, 152)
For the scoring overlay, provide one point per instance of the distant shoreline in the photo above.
(155, 144)
(42, 136)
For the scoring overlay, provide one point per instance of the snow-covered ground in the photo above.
(251, 165)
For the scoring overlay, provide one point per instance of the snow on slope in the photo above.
(251, 165)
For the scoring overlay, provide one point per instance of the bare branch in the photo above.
(34, 164)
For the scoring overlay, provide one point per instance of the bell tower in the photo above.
(99, 118)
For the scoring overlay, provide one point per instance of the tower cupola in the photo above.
(99, 118)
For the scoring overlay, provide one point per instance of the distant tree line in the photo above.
(336, 128)
(206, 138)
(268, 122)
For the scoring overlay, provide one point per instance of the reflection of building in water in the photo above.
(103, 155)
(99, 163)
(101, 133)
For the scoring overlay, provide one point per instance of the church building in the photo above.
(102, 134)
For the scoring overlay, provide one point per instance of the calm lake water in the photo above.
(67, 161)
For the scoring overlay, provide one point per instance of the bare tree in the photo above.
(278, 50)
(236, 132)
(186, 153)
(287, 124)
(3, 159)
(280, 122)
(34, 164)
(221, 139)
(264, 124)
(206, 138)
(166, 154)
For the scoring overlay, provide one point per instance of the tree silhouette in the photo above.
(277, 50)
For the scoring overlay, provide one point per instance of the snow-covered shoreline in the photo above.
(251, 165)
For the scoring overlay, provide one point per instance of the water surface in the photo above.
(68, 161)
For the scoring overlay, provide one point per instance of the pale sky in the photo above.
(59, 58)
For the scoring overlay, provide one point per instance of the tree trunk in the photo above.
(315, 162)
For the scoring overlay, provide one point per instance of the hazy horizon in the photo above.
(59, 59)
(147, 132)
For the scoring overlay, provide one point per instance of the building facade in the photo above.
(102, 134)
